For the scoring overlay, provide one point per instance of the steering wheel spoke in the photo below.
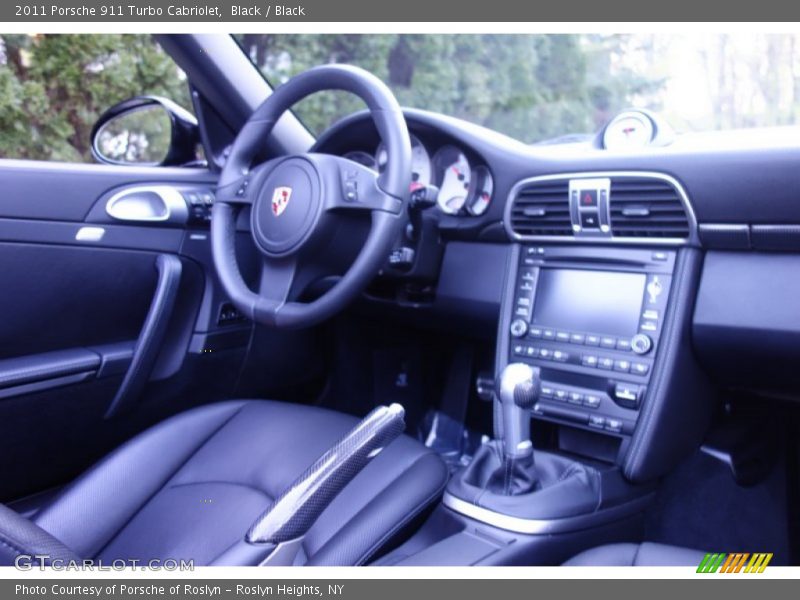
(243, 189)
(277, 279)
(352, 187)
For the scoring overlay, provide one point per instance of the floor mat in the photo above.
(700, 506)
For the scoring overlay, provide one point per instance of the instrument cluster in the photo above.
(465, 184)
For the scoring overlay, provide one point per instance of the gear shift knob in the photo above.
(518, 390)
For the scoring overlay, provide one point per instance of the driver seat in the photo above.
(191, 486)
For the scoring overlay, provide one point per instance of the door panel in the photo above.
(73, 309)
(67, 191)
(61, 297)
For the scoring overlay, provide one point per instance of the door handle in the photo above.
(148, 203)
(151, 336)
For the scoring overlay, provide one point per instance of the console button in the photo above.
(518, 328)
(641, 344)
(560, 394)
(654, 289)
(546, 391)
(608, 342)
(592, 340)
(614, 425)
(627, 393)
(520, 349)
(575, 398)
(649, 326)
(545, 353)
(589, 360)
(623, 366)
(588, 198)
(597, 421)
(651, 314)
(590, 219)
(535, 332)
(623, 344)
(591, 400)
(548, 334)
(605, 363)
(560, 356)
(577, 338)
(532, 352)
(522, 312)
(562, 336)
(638, 368)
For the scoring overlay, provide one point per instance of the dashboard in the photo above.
(630, 271)
(739, 184)
(729, 197)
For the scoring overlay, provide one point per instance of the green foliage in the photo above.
(531, 87)
(54, 87)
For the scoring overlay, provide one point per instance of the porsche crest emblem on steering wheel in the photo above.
(280, 199)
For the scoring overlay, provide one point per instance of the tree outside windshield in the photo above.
(532, 87)
(539, 87)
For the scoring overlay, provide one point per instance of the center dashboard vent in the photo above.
(542, 208)
(646, 207)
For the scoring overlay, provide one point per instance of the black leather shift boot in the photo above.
(499, 475)
(553, 488)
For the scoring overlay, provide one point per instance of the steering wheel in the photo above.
(295, 202)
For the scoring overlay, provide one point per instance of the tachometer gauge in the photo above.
(362, 158)
(420, 163)
(484, 187)
(453, 175)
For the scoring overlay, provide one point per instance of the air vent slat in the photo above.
(542, 208)
(648, 208)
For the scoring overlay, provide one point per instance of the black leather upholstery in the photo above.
(191, 487)
(561, 487)
(646, 554)
(18, 536)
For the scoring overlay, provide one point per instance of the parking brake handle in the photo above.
(294, 512)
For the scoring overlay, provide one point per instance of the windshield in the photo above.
(539, 87)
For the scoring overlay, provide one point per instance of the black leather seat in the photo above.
(646, 554)
(191, 487)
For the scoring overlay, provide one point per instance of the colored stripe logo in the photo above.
(736, 562)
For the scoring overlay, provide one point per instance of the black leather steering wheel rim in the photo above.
(384, 196)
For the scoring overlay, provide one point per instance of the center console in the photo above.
(591, 319)
(597, 393)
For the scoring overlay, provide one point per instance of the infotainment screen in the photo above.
(589, 301)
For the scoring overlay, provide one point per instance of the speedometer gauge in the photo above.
(484, 188)
(453, 175)
(420, 163)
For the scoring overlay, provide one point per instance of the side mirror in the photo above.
(146, 130)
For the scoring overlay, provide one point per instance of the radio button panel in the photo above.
(592, 378)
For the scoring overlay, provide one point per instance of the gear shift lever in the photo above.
(518, 391)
